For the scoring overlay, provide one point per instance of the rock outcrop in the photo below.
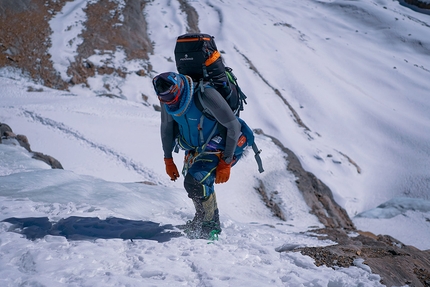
(316, 194)
(419, 4)
(25, 39)
(396, 263)
(7, 133)
(106, 32)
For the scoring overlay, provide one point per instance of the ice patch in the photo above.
(396, 206)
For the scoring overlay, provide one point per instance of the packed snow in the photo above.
(355, 72)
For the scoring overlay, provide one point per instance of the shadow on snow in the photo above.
(91, 228)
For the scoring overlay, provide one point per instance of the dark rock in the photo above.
(396, 263)
(105, 32)
(16, 6)
(32, 89)
(147, 182)
(419, 4)
(317, 195)
(25, 39)
(6, 132)
(268, 198)
(192, 17)
(23, 141)
(4, 128)
(141, 73)
(55, 164)
(111, 96)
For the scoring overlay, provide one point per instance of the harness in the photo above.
(202, 135)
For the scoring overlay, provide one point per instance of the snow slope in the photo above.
(356, 72)
(248, 243)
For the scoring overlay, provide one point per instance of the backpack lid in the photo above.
(194, 37)
(190, 37)
(194, 52)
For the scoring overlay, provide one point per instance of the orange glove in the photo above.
(222, 173)
(171, 169)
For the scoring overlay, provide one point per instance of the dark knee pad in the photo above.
(193, 187)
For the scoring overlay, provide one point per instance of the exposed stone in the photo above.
(23, 141)
(316, 194)
(396, 263)
(111, 96)
(105, 32)
(419, 4)
(32, 89)
(55, 164)
(25, 39)
(192, 16)
(7, 133)
(270, 202)
(141, 73)
(147, 182)
(4, 128)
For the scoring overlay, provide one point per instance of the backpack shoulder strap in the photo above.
(199, 91)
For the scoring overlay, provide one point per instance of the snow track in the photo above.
(124, 160)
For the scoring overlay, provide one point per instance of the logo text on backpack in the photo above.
(186, 58)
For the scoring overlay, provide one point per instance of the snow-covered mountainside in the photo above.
(341, 86)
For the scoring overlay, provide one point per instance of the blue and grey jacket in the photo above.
(193, 130)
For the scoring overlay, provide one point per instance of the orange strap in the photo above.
(192, 39)
(212, 58)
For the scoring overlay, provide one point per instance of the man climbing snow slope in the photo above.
(199, 114)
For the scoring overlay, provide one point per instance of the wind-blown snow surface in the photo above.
(357, 74)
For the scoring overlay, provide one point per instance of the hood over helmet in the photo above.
(171, 87)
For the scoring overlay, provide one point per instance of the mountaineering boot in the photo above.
(192, 226)
(205, 223)
(211, 228)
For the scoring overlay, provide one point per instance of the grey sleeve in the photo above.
(168, 132)
(221, 111)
